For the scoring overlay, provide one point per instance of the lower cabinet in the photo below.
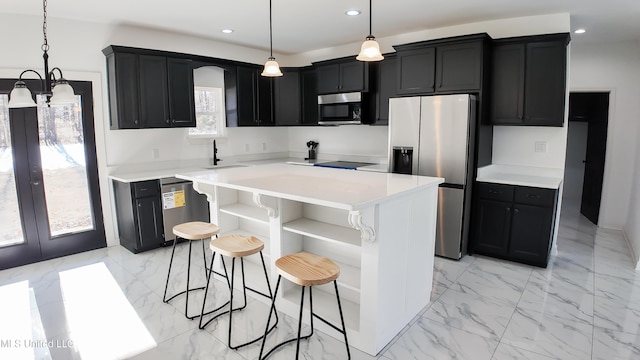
(514, 222)
(139, 214)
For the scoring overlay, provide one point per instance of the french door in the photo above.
(49, 187)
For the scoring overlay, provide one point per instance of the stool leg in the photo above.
(173, 251)
(206, 290)
(300, 321)
(186, 304)
(344, 328)
(202, 313)
(266, 330)
(271, 295)
(204, 260)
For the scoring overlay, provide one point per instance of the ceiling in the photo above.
(301, 25)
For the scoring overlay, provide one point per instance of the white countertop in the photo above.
(547, 178)
(338, 188)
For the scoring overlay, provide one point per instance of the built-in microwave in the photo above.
(339, 109)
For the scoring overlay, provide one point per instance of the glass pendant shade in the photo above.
(62, 94)
(271, 68)
(20, 96)
(370, 50)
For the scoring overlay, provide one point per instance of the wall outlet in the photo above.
(246, 148)
(155, 153)
(264, 146)
(540, 147)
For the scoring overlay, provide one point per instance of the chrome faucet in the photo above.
(215, 154)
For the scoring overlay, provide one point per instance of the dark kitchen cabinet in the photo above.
(441, 66)
(139, 214)
(385, 89)
(415, 71)
(287, 98)
(514, 222)
(528, 81)
(149, 91)
(309, 85)
(153, 92)
(459, 66)
(344, 75)
(122, 72)
(252, 95)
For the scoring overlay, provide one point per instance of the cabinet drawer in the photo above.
(145, 188)
(535, 196)
(497, 192)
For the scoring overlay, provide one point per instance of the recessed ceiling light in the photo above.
(227, 31)
(353, 12)
(580, 31)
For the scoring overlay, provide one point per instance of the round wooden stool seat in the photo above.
(307, 269)
(236, 245)
(196, 230)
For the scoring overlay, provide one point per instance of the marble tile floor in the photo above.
(107, 304)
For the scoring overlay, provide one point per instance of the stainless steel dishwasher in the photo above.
(180, 204)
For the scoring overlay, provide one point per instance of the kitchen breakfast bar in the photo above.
(378, 227)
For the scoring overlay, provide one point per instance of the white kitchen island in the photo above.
(378, 227)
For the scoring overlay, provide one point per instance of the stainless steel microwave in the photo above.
(340, 109)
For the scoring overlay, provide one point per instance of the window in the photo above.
(209, 102)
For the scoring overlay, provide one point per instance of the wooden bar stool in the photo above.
(234, 246)
(306, 270)
(191, 231)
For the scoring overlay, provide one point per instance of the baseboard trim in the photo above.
(634, 252)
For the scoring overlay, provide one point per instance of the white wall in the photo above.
(614, 67)
(632, 227)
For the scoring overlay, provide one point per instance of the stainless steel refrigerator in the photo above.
(435, 136)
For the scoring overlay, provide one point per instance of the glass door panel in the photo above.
(62, 150)
(10, 220)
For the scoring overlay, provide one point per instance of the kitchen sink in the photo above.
(229, 166)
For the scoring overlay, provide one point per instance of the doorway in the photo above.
(48, 179)
(586, 150)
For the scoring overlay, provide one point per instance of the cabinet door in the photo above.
(531, 231)
(309, 97)
(459, 67)
(123, 91)
(544, 95)
(287, 98)
(386, 88)
(149, 220)
(181, 97)
(154, 97)
(492, 222)
(507, 84)
(328, 78)
(246, 82)
(416, 71)
(264, 111)
(352, 76)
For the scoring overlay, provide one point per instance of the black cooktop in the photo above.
(352, 165)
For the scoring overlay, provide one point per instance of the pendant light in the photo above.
(57, 90)
(271, 67)
(370, 50)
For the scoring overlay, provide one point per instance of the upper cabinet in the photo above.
(528, 80)
(441, 66)
(287, 97)
(249, 97)
(341, 76)
(385, 88)
(149, 91)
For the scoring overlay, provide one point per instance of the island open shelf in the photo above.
(378, 228)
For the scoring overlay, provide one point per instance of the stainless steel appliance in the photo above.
(435, 136)
(349, 165)
(340, 109)
(180, 204)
